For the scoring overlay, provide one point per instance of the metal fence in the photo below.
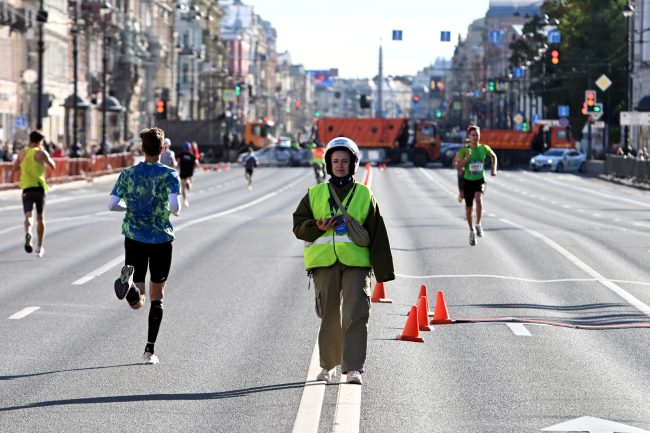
(623, 166)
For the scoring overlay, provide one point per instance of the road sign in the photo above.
(518, 72)
(564, 122)
(603, 82)
(554, 37)
(445, 36)
(397, 35)
(518, 118)
(635, 118)
(21, 122)
(563, 111)
(495, 36)
(229, 96)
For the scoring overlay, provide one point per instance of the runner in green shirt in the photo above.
(472, 158)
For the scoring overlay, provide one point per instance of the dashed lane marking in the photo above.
(519, 329)
(507, 277)
(22, 313)
(116, 261)
(347, 418)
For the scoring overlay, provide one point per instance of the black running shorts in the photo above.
(33, 196)
(471, 187)
(156, 257)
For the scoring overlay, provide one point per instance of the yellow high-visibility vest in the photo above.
(330, 247)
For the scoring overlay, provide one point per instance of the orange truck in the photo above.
(518, 146)
(384, 140)
(258, 134)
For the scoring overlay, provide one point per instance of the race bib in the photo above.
(341, 227)
(476, 167)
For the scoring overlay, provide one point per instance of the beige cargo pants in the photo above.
(343, 304)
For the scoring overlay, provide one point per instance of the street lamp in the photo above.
(41, 18)
(628, 13)
(106, 9)
(75, 51)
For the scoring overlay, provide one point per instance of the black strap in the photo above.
(338, 202)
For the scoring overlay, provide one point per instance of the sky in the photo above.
(346, 34)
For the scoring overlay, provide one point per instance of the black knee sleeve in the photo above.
(133, 295)
(156, 311)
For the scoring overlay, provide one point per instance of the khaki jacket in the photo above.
(304, 227)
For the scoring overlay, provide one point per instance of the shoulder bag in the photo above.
(357, 233)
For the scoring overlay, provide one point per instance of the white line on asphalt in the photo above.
(347, 418)
(311, 403)
(635, 302)
(441, 186)
(116, 261)
(519, 329)
(22, 313)
(506, 277)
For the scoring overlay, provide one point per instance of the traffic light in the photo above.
(438, 114)
(596, 108)
(524, 126)
(555, 57)
(491, 86)
(317, 114)
(237, 90)
(590, 97)
(161, 108)
(416, 99)
(364, 102)
(297, 104)
(584, 108)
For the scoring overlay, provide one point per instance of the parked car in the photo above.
(447, 153)
(556, 159)
(270, 156)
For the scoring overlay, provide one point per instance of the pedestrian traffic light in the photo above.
(555, 57)
(416, 99)
(491, 86)
(161, 108)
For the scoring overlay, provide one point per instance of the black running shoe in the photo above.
(124, 283)
(28, 243)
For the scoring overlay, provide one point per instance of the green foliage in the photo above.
(593, 35)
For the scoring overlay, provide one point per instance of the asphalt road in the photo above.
(551, 308)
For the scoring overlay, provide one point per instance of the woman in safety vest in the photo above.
(341, 269)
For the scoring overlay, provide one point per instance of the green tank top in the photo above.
(32, 173)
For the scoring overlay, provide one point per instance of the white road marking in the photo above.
(116, 261)
(347, 418)
(519, 329)
(441, 186)
(22, 313)
(630, 299)
(311, 403)
(506, 277)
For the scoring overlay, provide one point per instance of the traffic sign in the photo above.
(21, 122)
(229, 96)
(518, 118)
(397, 35)
(518, 72)
(563, 111)
(636, 118)
(603, 82)
(495, 36)
(445, 36)
(554, 37)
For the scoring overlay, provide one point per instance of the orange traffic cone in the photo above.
(440, 314)
(423, 292)
(411, 330)
(378, 295)
(423, 314)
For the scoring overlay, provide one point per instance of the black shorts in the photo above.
(156, 257)
(33, 196)
(471, 187)
(249, 171)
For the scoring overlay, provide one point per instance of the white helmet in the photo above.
(340, 143)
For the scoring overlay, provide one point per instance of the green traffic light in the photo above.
(491, 86)
(317, 114)
(237, 90)
(596, 108)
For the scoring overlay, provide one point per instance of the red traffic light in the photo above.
(590, 97)
(555, 57)
(416, 99)
(160, 106)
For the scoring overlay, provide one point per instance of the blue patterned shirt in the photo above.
(144, 188)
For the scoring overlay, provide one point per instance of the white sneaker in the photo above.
(354, 377)
(39, 251)
(479, 230)
(186, 203)
(150, 358)
(324, 376)
(472, 238)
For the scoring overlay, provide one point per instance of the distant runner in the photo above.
(250, 162)
(31, 163)
(472, 158)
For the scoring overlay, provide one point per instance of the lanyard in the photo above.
(332, 212)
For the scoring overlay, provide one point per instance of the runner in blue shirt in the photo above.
(148, 193)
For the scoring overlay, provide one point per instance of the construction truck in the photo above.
(512, 147)
(385, 140)
(259, 134)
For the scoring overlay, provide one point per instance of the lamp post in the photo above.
(628, 13)
(105, 11)
(75, 51)
(41, 18)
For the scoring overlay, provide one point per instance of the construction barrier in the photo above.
(68, 169)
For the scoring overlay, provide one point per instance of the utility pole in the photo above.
(75, 54)
(41, 19)
(380, 84)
